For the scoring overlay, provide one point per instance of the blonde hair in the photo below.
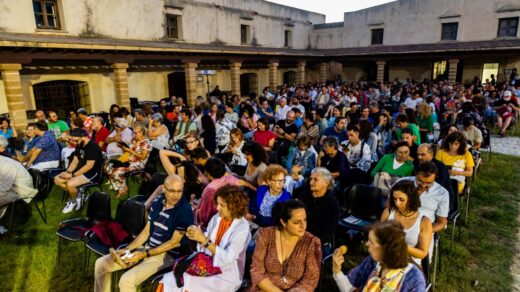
(272, 170)
(424, 110)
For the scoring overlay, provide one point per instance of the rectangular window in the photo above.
(440, 70)
(46, 14)
(287, 39)
(508, 27)
(377, 36)
(245, 31)
(173, 26)
(449, 31)
(489, 69)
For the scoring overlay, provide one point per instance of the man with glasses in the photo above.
(169, 217)
(85, 167)
(435, 199)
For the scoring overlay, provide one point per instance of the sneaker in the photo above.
(2, 230)
(69, 207)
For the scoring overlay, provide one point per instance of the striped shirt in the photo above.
(164, 222)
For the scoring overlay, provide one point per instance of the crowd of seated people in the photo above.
(280, 161)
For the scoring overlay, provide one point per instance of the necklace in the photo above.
(411, 214)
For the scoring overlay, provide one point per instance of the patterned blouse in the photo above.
(302, 268)
(143, 145)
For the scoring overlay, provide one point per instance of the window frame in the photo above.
(500, 20)
(287, 38)
(372, 36)
(178, 20)
(45, 15)
(447, 25)
(247, 39)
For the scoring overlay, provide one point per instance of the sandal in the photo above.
(122, 192)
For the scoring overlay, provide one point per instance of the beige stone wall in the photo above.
(148, 85)
(327, 38)
(352, 72)
(3, 98)
(203, 21)
(417, 70)
(406, 21)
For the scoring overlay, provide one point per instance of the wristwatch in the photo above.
(147, 250)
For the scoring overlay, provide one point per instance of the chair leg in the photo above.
(435, 264)
(42, 212)
(467, 206)
(59, 249)
(86, 256)
(11, 218)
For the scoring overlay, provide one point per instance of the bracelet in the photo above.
(206, 245)
(147, 253)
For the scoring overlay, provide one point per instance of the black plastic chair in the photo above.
(86, 189)
(131, 216)
(44, 185)
(454, 212)
(98, 209)
(363, 207)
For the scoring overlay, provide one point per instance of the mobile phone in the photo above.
(123, 144)
(181, 229)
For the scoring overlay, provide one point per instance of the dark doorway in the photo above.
(289, 78)
(61, 96)
(248, 84)
(370, 69)
(177, 84)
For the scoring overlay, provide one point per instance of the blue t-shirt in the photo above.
(163, 223)
(29, 144)
(262, 114)
(342, 136)
(49, 147)
(7, 134)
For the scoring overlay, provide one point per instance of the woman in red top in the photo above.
(263, 135)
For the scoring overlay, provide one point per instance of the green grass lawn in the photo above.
(483, 253)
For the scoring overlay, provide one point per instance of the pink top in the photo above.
(207, 207)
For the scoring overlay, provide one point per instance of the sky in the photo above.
(333, 9)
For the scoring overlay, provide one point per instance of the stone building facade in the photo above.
(60, 54)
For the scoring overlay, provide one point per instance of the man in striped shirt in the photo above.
(168, 219)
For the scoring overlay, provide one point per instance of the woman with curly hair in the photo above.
(225, 241)
(386, 268)
(272, 191)
(455, 155)
(404, 207)
(425, 121)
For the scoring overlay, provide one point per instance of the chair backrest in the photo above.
(98, 208)
(41, 182)
(364, 202)
(131, 215)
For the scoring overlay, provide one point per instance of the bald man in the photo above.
(425, 153)
(168, 219)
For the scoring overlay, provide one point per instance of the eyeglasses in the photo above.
(278, 180)
(424, 183)
(190, 142)
(173, 191)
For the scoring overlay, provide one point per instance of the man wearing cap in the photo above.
(87, 120)
(506, 108)
(85, 168)
(121, 133)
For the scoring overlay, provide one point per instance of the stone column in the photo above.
(300, 74)
(191, 83)
(273, 75)
(234, 69)
(121, 83)
(13, 93)
(323, 72)
(380, 71)
(452, 70)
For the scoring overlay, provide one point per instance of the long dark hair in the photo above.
(391, 236)
(408, 188)
(256, 150)
(207, 123)
(455, 137)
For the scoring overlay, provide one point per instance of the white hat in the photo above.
(507, 93)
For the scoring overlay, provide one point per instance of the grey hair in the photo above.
(331, 141)
(3, 142)
(100, 119)
(157, 117)
(140, 127)
(326, 175)
(429, 147)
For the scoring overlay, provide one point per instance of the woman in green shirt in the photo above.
(425, 121)
(391, 167)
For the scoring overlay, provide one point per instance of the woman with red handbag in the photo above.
(219, 262)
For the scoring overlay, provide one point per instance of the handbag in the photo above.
(197, 264)
(125, 157)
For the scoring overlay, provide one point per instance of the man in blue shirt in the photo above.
(169, 217)
(46, 152)
(337, 131)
